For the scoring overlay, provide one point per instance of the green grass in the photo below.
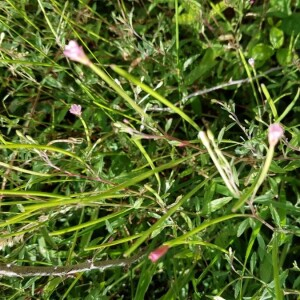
(171, 149)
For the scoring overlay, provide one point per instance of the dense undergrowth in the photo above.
(129, 172)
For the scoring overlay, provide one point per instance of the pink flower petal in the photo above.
(75, 52)
(275, 133)
(75, 110)
(155, 255)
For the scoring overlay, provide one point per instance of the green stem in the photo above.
(86, 132)
(278, 291)
(251, 192)
(117, 88)
(264, 171)
(155, 95)
(233, 189)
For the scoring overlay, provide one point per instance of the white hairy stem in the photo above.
(11, 270)
(230, 83)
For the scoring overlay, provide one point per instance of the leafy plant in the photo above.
(143, 153)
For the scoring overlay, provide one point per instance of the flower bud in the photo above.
(75, 52)
(155, 255)
(275, 133)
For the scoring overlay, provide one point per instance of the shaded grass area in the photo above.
(131, 173)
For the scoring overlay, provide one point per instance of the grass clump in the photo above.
(149, 149)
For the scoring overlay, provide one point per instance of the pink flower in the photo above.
(155, 255)
(275, 133)
(75, 52)
(75, 110)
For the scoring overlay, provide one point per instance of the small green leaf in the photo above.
(216, 204)
(253, 261)
(284, 56)
(207, 63)
(291, 25)
(276, 37)
(293, 165)
(261, 52)
(280, 8)
(276, 168)
(242, 227)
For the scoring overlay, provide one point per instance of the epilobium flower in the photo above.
(75, 52)
(75, 110)
(155, 255)
(275, 133)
